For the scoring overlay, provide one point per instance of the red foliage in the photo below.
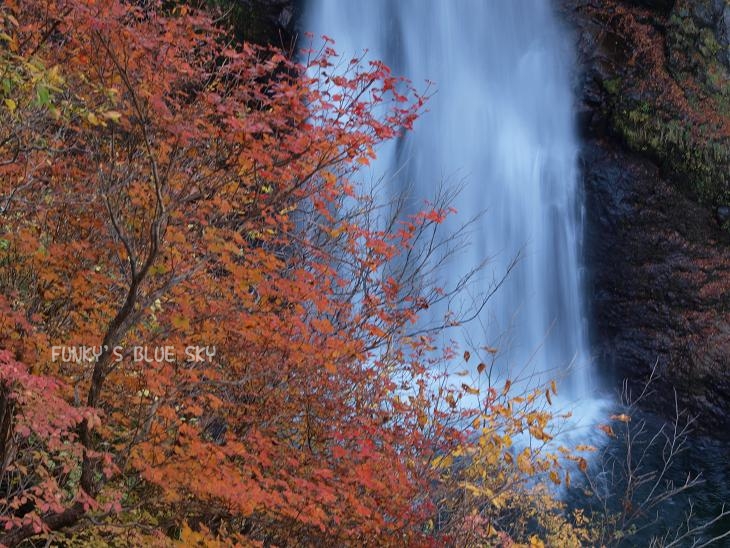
(169, 189)
(38, 447)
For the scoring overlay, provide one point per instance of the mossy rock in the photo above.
(675, 111)
(700, 162)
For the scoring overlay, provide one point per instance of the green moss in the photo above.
(612, 85)
(708, 45)
(718, 80)
(683, 24)
(702, 162)
(664, 127)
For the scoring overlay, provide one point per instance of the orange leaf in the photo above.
(607, 429)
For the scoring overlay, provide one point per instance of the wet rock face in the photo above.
(699, 41)
(723, 214)
(659, 284)
(265, 22)
(657, 239)
(659, 82)
(662, 6)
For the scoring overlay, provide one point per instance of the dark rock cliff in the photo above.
(654, 93)
(263, 22)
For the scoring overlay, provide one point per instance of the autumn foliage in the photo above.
(162, 187)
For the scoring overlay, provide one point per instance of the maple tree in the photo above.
(164, 188)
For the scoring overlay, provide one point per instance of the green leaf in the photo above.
(44, 96)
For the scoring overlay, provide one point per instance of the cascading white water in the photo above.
(502, 120)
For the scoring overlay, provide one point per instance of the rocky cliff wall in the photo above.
(654, 93)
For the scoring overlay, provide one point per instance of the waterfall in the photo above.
(502, 121)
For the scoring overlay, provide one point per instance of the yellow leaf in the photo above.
(478, 490)
(622, 417)
(582, 464)
(554, 477)
(53, 79)
(180, 322)
(112, 115)
(524, 463)
(92, 119)
(11, 105)
(444, 461)
(607, 429)
(188, 537)
(469, 390)
(539, 434)
(498, 501)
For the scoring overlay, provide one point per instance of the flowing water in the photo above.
(501, 121)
